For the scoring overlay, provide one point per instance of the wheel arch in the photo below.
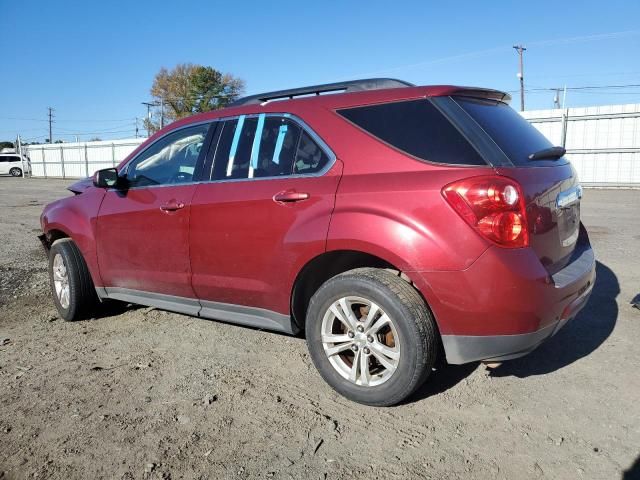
(69, 219)
(331, 263)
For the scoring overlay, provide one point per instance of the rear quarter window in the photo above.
(415, 127)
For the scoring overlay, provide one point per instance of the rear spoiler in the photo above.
(487, 93)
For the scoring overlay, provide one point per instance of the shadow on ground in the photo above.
(579, 338)
(633, 473)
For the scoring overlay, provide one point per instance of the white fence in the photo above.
(603, 143)
(77, 160)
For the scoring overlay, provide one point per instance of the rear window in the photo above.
(415, 127)
(512, 133)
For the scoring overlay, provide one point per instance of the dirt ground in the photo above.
(142, 393)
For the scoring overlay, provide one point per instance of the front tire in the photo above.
(371, 336)
(72, 288)
(15, 172)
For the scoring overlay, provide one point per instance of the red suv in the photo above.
(387, 222)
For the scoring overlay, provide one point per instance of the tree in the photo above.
(6, 145)
(188, 89)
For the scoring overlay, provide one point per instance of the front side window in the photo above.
(171, 160)
(265, 146)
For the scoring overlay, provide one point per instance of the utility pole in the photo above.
(520, 49)
(161, 112)
(149, 105)
(50, 122)
(136, 127)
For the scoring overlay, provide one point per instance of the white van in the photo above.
(12, 164)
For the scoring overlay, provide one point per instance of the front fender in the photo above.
(75, 217)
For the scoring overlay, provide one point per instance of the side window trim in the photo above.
(201, 157)
(294, 119)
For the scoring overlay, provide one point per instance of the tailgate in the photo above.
(552, 199)
(549, 183)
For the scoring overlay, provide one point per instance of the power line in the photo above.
(584, 87)
(104, 130)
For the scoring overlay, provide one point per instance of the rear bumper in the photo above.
(469, 348)
(506, 304)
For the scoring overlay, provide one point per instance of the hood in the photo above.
(81, 185)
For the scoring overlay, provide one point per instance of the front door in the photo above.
(267, 210)
(143, 230)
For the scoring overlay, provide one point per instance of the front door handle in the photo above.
(172, 206)
(290, 196)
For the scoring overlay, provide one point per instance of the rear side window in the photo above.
(415, 127)
(516, 137)
(310, 158)
(265, 146)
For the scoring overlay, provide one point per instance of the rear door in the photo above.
(143, 230)
(266, 210)
(550, 185)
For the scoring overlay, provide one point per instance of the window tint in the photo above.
(514, 135)
(9, 159)
(265, 146)
(415, 127)
(170, 160)
(310, 158)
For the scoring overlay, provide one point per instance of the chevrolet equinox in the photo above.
(389, 223)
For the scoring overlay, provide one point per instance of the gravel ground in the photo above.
(142, 393)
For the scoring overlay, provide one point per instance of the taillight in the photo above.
(494, 206)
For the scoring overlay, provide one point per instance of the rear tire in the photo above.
(375, 365)
(74, 294)
(15, 172)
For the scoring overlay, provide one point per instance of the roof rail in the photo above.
(344, 87)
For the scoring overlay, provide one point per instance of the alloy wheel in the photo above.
(360, 341)
(61, 280)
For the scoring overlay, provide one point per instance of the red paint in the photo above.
(247, 248)
(141, 244)
(244, 242)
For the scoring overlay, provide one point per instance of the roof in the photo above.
(352, 97)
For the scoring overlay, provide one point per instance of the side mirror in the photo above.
(106, 178)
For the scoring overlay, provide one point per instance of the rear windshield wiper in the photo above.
(552, 153)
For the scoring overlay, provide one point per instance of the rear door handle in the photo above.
(290, 196)
(172, 206)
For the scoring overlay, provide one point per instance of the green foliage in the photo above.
(188, 89)
(6, 145)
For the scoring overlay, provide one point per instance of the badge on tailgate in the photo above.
(568, 205)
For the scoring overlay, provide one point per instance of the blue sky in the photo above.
(94, 62)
